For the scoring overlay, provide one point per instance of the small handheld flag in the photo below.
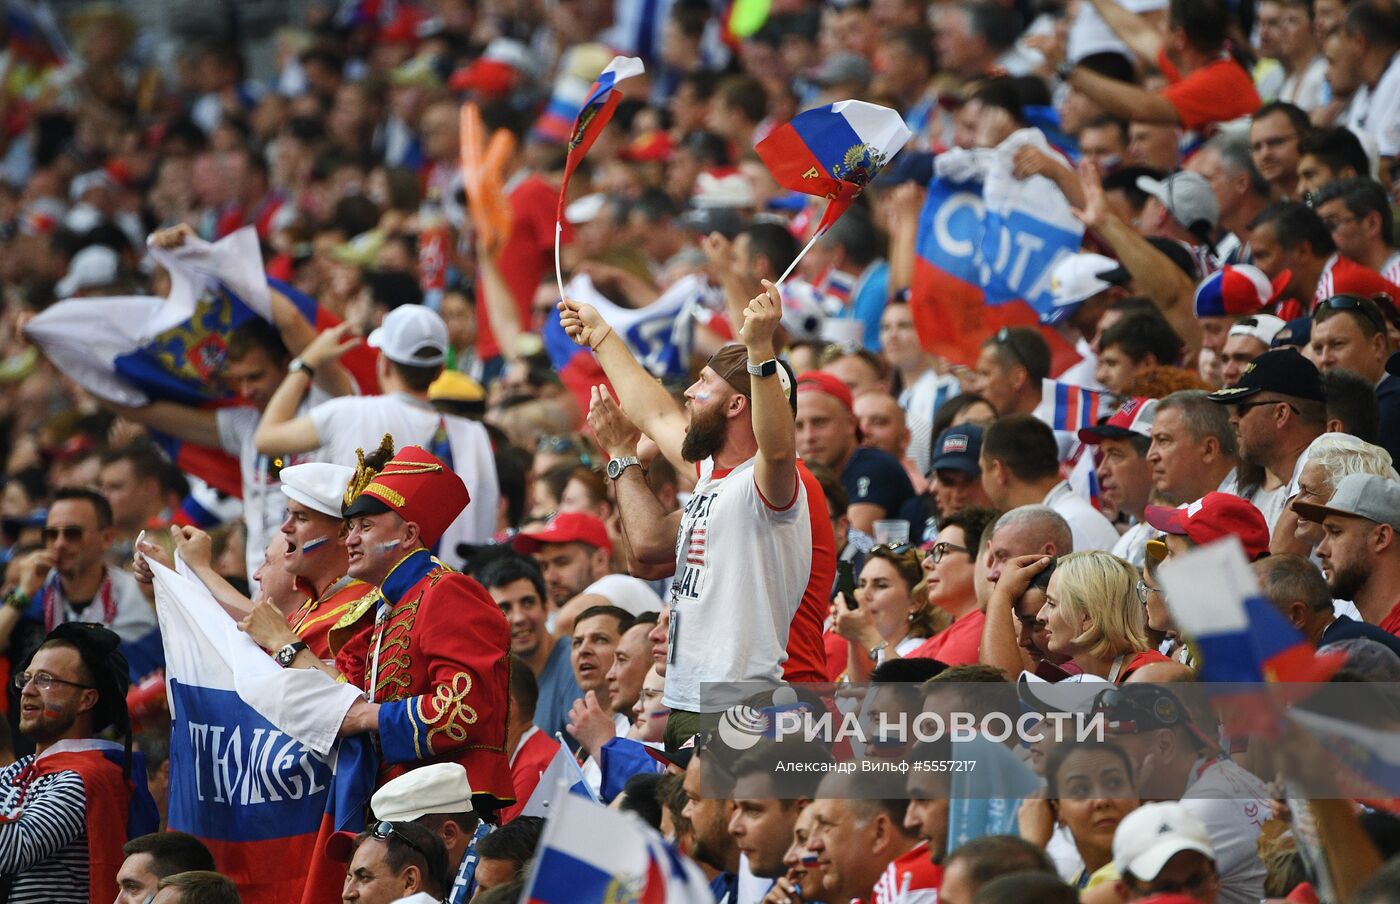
(833, 152)
(595, 113)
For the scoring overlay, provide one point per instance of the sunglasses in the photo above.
(68, 532)
(1242, 407)
(1007, 340)
(1353, 303)
(385, 830)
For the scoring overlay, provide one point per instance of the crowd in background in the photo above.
(681, 476)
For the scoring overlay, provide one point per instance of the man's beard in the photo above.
(1346, 581)
(706, 434)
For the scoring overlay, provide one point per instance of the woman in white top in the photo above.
(892, 614)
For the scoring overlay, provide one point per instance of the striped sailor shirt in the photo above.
(43, 835)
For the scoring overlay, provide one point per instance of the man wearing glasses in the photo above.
(66, 809)
(1277, 408)
(69, 580)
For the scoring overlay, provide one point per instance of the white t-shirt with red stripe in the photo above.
(743, 568)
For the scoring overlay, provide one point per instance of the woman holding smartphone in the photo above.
(890, 615)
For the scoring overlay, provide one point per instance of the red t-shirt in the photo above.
(1391, 622)
(1344, 276)
(916, 867)
(1147, 657)
(527, 255)
(526, 766)
(1219, 91)
(956, 644)
(806, 650)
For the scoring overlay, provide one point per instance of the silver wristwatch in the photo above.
(617, 465)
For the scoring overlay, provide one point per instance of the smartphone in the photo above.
(1050, 672)
(1042, 581)
(846, 581)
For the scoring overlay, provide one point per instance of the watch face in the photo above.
(285, 657)
(614, 469)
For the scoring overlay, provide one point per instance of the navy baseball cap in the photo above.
(1295, 333)
(958, 449)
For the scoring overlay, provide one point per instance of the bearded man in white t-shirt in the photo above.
(753, 552)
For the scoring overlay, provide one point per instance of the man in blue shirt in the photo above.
(827, 433)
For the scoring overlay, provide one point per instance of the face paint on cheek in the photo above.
(315, 545)
(702, 397)
(385, 547)
(54, 711)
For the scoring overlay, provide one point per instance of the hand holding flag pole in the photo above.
(597, 110)
(832, 152)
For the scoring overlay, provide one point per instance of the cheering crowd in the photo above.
(285, 370)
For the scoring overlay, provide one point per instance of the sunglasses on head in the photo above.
(68, 532)
(385, 830)
(1007, 340)
(1353, 303)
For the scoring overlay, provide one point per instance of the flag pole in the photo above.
(796, 260)
(558, 270)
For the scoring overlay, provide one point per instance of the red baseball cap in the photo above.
(821, 381)
(1211, 517)
(340, 846)
(565, 527)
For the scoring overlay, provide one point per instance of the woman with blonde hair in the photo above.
(1092, 615)
(892, 615)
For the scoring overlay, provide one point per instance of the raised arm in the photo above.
(501, 311)
(1124, 99)
(280, 430)
(999, 647)
(184, 422)
(1143, 36)
(1170, 289)
(650, 531)
(642, 398)
(774, 429)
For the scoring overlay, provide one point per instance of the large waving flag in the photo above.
(133, 350)
(592, 855)
(987, 244)
(593, 115)
(256, 771)
(833, 152)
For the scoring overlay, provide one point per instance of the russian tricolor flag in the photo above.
(593, 114)
(1216, 603)
(590, 854)
(256, 772)
(1067, 407)
(833, 151)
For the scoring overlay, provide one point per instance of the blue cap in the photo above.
(1295, 332)
(958, 449)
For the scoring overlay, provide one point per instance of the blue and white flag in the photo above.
(660, 334)
(1021, 227)
(589, 854)
(985, 799)
(256, 772)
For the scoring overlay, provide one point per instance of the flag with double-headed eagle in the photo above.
(833, 152)
(594, 113)
(135, 350)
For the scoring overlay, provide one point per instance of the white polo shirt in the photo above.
(1090, 529)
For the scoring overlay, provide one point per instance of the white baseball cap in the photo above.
(585, 209)
(413, 335)
(1153, 834)
(1263, 327)
(1076, 279)
(94, 266)
(320, 486)
(437, 788)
